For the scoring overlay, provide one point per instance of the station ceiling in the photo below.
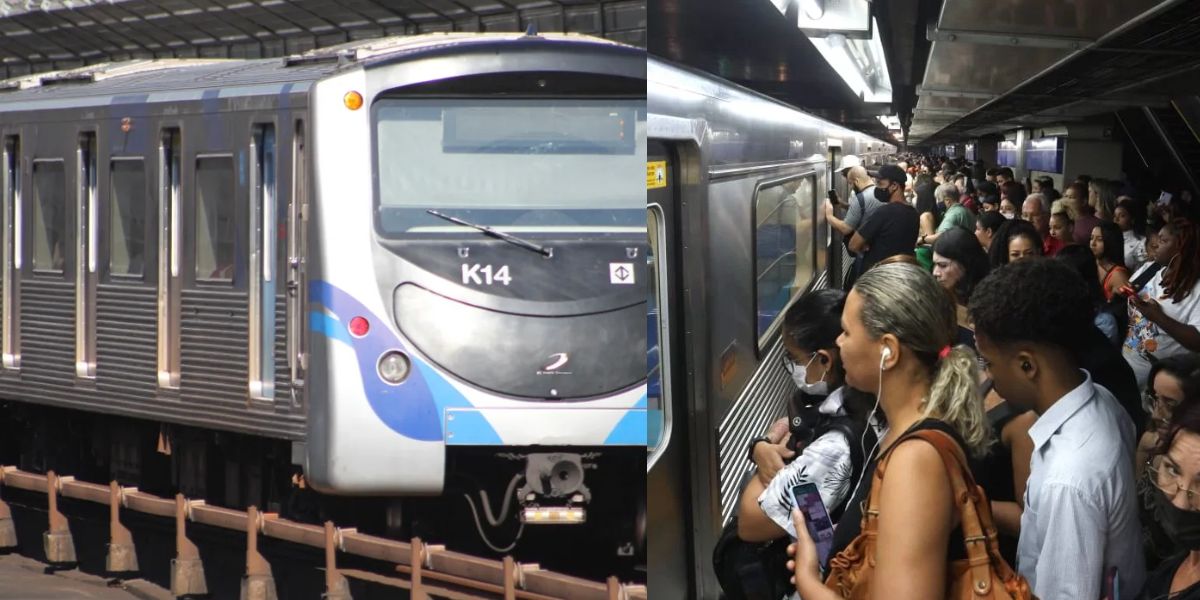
(1024, 63)
(47, 35)
(751, 43)
(960, 69)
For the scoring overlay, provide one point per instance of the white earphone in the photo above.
(884, 354)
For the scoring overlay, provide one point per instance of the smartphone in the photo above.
(807, 498)
(832, 195)
(1112, 585)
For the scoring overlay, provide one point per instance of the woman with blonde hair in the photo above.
(898, 327)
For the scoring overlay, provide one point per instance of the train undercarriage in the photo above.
(496, 502)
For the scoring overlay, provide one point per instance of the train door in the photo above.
(670, 544)
(829, 257)
(297, 287)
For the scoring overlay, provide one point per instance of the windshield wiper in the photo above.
(500, 235)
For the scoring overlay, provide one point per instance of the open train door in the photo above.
(830, 256)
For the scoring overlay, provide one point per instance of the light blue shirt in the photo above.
(1080, 504)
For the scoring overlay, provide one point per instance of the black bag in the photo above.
(749, 571)
(758, 571)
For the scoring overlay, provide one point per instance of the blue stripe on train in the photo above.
(415, 408)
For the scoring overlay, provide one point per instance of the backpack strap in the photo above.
(1145, 277)
(846, 426)
(1001, 414)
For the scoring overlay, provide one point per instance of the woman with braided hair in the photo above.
(1164, 314)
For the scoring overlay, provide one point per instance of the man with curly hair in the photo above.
(1080, 514)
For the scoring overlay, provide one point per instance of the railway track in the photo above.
(190, 547)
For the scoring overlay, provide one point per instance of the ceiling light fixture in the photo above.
(813, 9)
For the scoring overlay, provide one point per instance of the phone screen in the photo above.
(820, 527)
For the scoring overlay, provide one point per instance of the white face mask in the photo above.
(1008, 215)
(800, 375)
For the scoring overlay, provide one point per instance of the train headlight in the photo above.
(394, 367)
(553, 515)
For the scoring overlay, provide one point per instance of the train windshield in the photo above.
(531, 167)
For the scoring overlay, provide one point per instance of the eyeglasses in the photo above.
(789, 365)
(1151, 397)
(1166, 476)
(983, 363)
(1164, 405)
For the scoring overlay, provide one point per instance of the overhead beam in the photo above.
(953, 112)
(989, 38)
(925, 90)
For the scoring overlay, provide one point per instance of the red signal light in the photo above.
(359, 327)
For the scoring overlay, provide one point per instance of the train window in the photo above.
(170, 217)
(784, 229)
(214, 218)
(49, 215)
(11, 341)
(264, 244)
(127, 223)
(532, 166)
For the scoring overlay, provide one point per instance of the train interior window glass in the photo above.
(127, 222)
(537, 166)
(49, 215)
(654, 358)
(784, 248)
(215, 218)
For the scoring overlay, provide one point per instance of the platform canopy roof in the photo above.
(49, 35)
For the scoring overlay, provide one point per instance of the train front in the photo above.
(478, 293)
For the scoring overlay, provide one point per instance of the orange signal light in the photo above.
(353, 100)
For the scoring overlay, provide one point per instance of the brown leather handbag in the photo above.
(982, 575)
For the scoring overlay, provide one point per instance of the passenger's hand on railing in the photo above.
(828, 209)
(769, 458)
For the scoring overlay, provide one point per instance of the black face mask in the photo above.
(1182, 526)
(882, 194)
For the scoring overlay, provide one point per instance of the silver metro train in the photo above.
(382, 266)
(736, 233)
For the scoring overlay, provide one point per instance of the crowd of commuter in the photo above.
(1049, 340)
